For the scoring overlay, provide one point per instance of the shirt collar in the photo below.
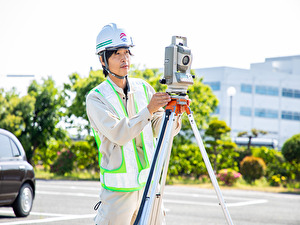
(117, 88)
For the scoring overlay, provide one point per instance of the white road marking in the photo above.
(252, 202)
(242, 201)
(47, 220)
(205, 196)
(68, 187)
(78, 194)
(32, 213)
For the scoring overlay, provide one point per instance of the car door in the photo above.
(12, 169)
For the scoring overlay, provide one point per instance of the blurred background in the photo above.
(246, 57)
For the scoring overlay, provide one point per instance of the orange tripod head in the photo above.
(179, 105)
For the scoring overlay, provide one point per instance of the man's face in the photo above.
(119, 62)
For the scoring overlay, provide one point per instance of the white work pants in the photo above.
(121, 208)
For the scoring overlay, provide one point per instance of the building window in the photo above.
(266, 90)
(288, 115)
(291, 93)
(217, 110)
(245, 111)
(296, 116)
(246, 88)
(266, 113)
(260, 112)
(215, 86)
(287, 92)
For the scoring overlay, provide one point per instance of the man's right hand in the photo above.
(158, 100)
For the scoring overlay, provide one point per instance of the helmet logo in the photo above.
(123, 37)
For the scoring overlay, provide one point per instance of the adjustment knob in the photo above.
(163, 81)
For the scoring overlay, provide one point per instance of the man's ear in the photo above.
(101, 60)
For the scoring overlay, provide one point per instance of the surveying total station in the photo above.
(178, 59)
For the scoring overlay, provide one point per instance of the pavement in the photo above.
(72, 202)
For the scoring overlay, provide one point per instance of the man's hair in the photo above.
(108, 54)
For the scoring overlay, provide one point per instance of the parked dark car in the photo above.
(17, 180)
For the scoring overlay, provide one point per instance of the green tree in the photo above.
(42, 123)
(15, 111)
(33, 118)
(76, 93)
(291, 152)
(219, 146)
(291, 149)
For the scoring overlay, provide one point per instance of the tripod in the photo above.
(152, 198)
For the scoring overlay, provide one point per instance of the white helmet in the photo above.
(112, 37)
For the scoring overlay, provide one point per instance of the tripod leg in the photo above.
(209, 169)
(167, 142)
(149, 180)
(157, 208)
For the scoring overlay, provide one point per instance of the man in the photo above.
(125, 114)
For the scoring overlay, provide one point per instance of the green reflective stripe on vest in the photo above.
(98, 142)
(147, 96)
(142, 136)
(123, 107)
(96, 136)
(146, 93)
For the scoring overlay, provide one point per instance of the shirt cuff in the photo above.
(146, 114)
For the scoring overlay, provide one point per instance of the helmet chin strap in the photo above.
(106, 68)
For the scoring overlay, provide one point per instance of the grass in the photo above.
(40, 173)
(241, 184)
(258, 185)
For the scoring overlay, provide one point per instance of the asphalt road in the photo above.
(71, 202)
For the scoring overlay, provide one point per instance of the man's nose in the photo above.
(124, 57)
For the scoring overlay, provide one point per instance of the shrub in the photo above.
(228, 176)
(277, 180)
(86, 155)
(275, 162)
(252, 168)
(242, 153)
(64, 162)
(186, 161)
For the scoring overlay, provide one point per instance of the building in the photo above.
(19, 82)
(265, 97)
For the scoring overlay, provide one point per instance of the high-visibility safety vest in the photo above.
(131, 175)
